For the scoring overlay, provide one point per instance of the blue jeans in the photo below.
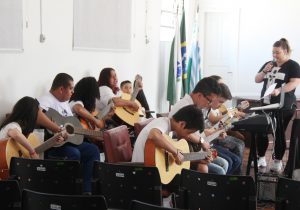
(86, 153)
(234, 162)
(218, 166)
(234, 145)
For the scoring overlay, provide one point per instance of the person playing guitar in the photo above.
(109, 91)
(186, 121)
(57, 98)
(21, 122)
(83, 104)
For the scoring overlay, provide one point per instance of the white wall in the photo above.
(31, 72)
(261, 23)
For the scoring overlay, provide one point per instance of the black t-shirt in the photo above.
(280, 75)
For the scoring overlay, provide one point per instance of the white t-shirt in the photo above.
(49, 101)
(5, 129)
(106, 94)
(73, 103)
(185, 101)
(163, 124)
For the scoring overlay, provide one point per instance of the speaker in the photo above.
(266, 186)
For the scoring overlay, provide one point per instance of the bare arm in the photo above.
(16, 135)
(291, 85)
(43, 120)
(260, 75)
(82, 112)
(121, 102)
(213, 119)
(156, 136)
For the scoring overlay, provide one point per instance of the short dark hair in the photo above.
(192, 115)
(207, 86)
(124, 83)
(25, 113)
(87, 91)
(61, 79)
(216, 77)
(225, 92)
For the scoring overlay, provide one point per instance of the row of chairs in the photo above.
(32, 200)
(121, 183)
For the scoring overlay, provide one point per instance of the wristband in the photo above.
(264, 72)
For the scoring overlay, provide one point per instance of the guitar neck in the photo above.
(86, 132)
(195, 156)
(105, 111)
(134, 94)
(47, 144)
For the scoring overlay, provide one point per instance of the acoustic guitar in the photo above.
(165, 161)
(76, 126)
(99, 115)
(10, 148)
(126, 114)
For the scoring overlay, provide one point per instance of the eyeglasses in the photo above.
(208, 100)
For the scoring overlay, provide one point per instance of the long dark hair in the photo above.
(87, 91)
(25, 113)
(104, 78)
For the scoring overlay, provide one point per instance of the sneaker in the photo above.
(276, 166)
(261, 162)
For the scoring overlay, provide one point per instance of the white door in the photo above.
(220, 45)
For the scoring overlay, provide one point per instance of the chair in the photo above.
(138, 127)
(10, 195)
(139, 205)
(217, 192)
(32, 200)
(287, 194)
(49, 176)
(122, 183)
(117, 145)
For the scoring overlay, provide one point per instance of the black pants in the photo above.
(283, 118)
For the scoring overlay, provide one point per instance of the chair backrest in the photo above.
(50, 176)
(122, 183)
(10, 195)
(287, 194)
(138, 127)
(117, 145)
(139, 205)
(32, 200)
(213, 191)
(162, 114)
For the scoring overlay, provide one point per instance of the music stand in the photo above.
(254, 130)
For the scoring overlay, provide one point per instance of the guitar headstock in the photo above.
(138, 82)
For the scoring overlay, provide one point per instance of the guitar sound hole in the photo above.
(69, 129)
(128, 111)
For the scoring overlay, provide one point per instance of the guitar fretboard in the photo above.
(195, 155)
(47, 144)
(85, 132)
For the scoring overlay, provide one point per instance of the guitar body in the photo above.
(127, 115)
(86, 124)
(158, 157)
(10, 148)
(61, 120)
